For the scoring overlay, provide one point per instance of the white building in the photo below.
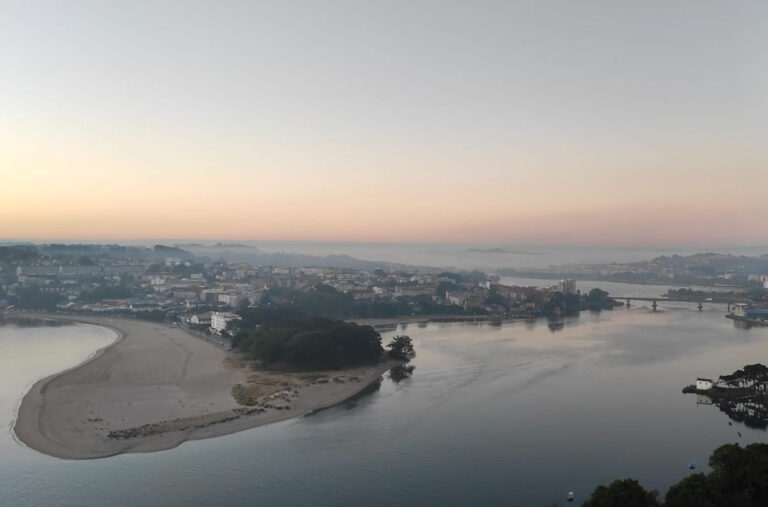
(219, 320)
(740, 310)
(201, 319)
(458, 298)
(703, 384)
(568, 286)
(232, 300)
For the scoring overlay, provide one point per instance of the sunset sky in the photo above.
(610, 122)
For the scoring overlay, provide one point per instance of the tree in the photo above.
(693, 490)
(105, 292)
(494, 298)
(36, 299)
(243, 305)
(401, 348)
(756, 373)
(623, 492)
(597, 296)
(755, 291)
(400, 373)
(739, 476)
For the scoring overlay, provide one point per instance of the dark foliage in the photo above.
(106, 292)
(311, 343)
(35, 299)
(739, 477)
(623, 492)
(401, 348)
(18, 253)
(400, 373)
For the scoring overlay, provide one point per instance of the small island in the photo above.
(742, 395)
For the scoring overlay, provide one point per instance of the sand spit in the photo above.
(158, 386)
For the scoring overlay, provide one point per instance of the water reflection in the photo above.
(400, 373)
(753, 413)
(555, 325)
(741, 324)
(373, 387)
(662, 336)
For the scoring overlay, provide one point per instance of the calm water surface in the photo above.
(518, 414)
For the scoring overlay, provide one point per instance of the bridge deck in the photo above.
(682, 300)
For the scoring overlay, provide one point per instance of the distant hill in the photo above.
(256, 256)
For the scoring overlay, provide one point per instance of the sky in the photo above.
(540, 122)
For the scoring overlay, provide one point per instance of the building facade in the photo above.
(219, 320)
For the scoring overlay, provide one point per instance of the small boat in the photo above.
(692, 465)
(570, 496)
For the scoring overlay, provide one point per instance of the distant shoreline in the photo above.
(156, 387)
(582, 279)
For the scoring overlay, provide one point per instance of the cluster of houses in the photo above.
(216, 322)
(207, 294)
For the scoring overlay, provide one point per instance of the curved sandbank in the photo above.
(158, 386)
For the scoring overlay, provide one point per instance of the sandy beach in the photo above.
(157, 386)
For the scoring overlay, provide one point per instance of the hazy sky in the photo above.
(533, 122)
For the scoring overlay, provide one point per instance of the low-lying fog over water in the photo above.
(515, 414)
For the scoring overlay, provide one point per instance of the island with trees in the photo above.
(288, 350)
(741, 395)
(315, 343)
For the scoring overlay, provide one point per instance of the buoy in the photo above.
(570, 496)
(692, 465)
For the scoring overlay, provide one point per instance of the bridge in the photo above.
(655, 300)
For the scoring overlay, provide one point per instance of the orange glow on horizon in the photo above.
(374, 126)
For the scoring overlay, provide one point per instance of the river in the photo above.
(492, 415)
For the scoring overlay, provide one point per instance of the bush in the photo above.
(401, 348)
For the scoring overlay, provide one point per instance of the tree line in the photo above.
(738, 477)
(313, 342)
(752, 376)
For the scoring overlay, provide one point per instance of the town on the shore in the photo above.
(169, 283)
(174, 284)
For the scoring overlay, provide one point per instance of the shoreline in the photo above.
(378, 322)
(156, 387)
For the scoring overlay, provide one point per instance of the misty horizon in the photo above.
(558, 123)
